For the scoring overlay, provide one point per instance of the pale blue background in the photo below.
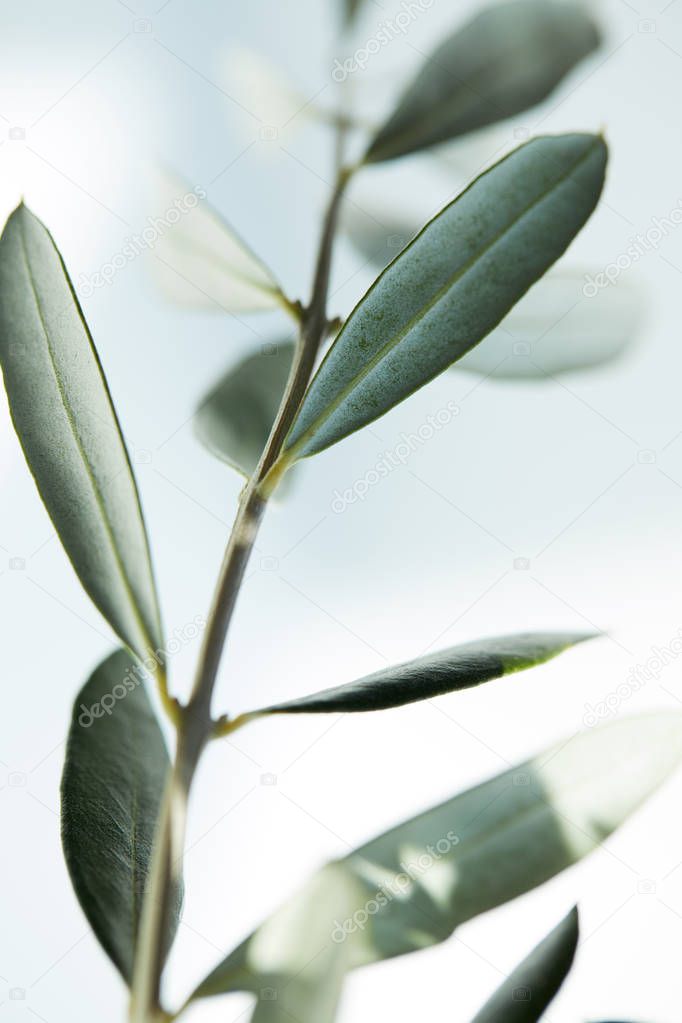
(101, 104)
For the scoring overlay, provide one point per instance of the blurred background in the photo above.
(549, 504)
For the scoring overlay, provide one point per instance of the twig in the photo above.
(196, 725)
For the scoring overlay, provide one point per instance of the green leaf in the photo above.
(114, 776)
(508, 58)
(412, 886)
(459, 667)
(451, 286)
(200, 261)
(63, 414)
(526, 993)
(234, 420)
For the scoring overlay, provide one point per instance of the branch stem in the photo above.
(194, 721)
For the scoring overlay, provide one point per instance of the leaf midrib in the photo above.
(99, 499)
(135, 900)
(392, 343)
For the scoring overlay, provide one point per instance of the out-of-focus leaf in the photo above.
(65, 420)
(507, 59)
(351, 8)
(564, 324)
(200, 261)
(447, 671)
(412, 886)
(526, 993)
(451, 286)
(556, 328)
(378, 234)
(234, 420)
(265, 89)
(114, 776)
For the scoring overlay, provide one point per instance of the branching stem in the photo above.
(194, 722)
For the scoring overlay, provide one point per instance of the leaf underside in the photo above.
(114, 775)
(412, 886)
(62, 411)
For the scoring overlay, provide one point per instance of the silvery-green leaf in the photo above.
(526, 993)
(234, 420)
(200, 261)
(412, 886)
(447, 671)
(114, 776)
(451, 286)
(62, 411)
(559, 328)
(510, 57)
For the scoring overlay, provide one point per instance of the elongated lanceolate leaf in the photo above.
(63, 414)
(507, 59)
(526, 993)
(412, 886)
(234, 420)
(446, 671)
(200, 261)
(451, 285)
(113, 781)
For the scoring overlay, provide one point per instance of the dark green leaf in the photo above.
(114, 776)
(526, 993)
(412, 886)
(508, 58)
(459, 667)
(451, 286)
(63, 414)
(234, 420)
